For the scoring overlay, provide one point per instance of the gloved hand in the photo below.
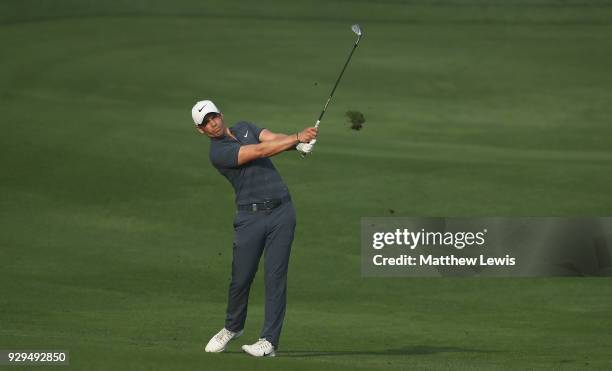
(306, 148)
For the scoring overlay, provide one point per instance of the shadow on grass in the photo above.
(405, 351)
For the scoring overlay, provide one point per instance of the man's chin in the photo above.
(216, 134)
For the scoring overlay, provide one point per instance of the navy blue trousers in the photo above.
(255, 233)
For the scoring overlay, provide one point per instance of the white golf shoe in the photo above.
(218, 342)
(262, 348)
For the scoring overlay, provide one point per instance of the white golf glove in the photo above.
(306, 148)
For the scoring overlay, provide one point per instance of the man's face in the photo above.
(213, 127)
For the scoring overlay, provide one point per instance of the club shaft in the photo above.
(336, 84)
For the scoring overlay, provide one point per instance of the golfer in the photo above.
(264, 221)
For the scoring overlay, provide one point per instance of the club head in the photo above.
(356, 29)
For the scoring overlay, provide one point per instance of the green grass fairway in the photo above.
(115, 231)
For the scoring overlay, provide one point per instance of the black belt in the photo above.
(266, 205)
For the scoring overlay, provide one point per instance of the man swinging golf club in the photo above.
(264, 220)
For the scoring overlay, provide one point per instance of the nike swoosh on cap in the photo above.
(200, 110)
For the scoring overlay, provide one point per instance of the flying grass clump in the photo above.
(356, 119)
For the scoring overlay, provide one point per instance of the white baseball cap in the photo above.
(201, 109)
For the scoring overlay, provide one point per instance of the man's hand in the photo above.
(308, 134)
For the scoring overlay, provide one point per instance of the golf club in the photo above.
(359, 32)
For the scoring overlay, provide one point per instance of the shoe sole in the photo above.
(272, 354)
(239, 334)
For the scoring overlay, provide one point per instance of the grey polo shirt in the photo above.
(254, 181)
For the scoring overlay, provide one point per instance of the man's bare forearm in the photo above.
(281, 143)
(266, 149)
(278, 136)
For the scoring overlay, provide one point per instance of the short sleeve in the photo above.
(225, 156)
(255, 129)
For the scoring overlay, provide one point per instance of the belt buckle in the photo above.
(254, 207)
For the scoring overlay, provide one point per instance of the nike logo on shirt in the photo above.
(247, 133)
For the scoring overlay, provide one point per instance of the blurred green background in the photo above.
(115, 231)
